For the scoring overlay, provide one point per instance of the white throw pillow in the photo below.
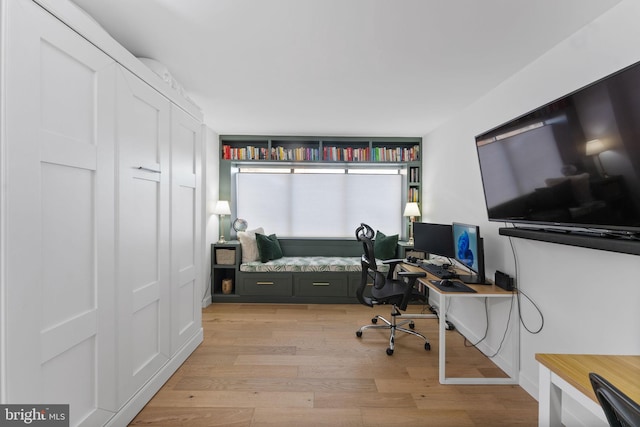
(249, 245)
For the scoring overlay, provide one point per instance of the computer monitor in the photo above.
(434, 239)
(469, 251)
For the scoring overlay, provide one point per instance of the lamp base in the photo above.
(411, 220)
(220, 222)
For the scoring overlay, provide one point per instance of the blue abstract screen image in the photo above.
(465, 239)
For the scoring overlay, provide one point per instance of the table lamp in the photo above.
(594, 148)
(412, 211)
(221, 209)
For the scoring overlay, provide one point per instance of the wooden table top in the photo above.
(621, 371)
(488, 289)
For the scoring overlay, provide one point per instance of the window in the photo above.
(327, 202)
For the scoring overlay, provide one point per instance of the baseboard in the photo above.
(207, 301)
(142, 397)
(529, 385)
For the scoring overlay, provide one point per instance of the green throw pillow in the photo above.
(268, 247)
(384, 247)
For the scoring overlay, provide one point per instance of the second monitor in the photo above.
(469, 251)
(434, 239)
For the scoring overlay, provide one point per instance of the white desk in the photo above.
(482, 291)
(569, 373)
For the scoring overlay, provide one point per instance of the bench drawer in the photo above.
(321, 285)
(266, 284)
(354, 282)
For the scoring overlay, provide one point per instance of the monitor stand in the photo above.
(473, 279)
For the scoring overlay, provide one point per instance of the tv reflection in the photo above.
(465, 254)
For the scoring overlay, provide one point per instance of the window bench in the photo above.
(312, 271)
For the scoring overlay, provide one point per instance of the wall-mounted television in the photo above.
(574, 162)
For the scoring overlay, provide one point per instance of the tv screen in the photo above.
(469, 251)
(573, 162)
(434, 239)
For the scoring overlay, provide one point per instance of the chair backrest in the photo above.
(619, 409)
(365, 234)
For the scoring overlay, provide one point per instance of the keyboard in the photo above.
(437, 270)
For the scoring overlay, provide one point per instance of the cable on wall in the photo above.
(520, 292)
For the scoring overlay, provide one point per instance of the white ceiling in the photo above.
(339, 67)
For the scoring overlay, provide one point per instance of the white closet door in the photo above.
(143, 269)
(58, 228)
(186, 283)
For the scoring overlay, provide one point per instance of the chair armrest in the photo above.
(392, 263)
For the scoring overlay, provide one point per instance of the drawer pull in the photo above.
(264, 283)
(321, 283)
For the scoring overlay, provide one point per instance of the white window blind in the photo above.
(319, 204)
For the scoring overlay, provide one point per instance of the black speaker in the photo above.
(504, 281)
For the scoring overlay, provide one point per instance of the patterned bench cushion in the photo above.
(307, 264)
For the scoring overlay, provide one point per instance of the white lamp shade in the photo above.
(595, 146)
(222, 208)
(411, 209)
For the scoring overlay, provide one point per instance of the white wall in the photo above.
(210, 156)
(589, 298)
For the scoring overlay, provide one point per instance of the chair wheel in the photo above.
(374, 320)
(389, 352)
(412, 325)
(358, 334)
(427, 346)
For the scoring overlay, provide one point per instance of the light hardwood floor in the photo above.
(302, 365)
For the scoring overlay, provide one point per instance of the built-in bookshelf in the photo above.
(372, 151)
(296, 149)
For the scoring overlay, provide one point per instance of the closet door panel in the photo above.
(59, 154)
(68, 229)
(186, 283)
(143, 232)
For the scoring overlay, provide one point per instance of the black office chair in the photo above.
(387, 290)
(619, 409)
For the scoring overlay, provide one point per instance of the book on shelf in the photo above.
(414, 175)
(413, 195)
(347, 154)
(244, 153)
(395, 154)
(297, 154)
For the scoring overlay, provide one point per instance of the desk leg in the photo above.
(442, 343)
(549, 400)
